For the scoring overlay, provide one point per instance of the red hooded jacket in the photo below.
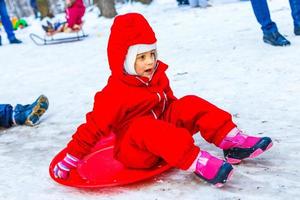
(74, 13)
(125, 97)
(130, 105)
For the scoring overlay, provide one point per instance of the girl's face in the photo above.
(145, 63)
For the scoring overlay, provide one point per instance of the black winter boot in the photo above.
(15, 41)
(297, 30)
(275, 39)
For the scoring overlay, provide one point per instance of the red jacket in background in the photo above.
(75, 13)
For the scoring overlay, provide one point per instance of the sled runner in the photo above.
(57, 38)
(100, 169)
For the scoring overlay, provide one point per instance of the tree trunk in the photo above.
(43, 6)
(56, 6)
(107, 8)
(144, 1)
(18, 8)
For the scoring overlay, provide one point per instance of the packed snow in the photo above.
(216, 53)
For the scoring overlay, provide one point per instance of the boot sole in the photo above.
(263, 145)
(37, 110)
(277, 45)
(224, 175)
(229, 177)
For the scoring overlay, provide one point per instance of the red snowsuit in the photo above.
(149, 121)
(74, 13)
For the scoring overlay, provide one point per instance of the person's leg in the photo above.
(147, 139)
(295, 7)
(78, 18)
(71, 17)
(80, 15)
(30, 114)
(34, 7)
(216, 126)
(196, 114)
(6, 115)
(269, 28)
(262, 14)
(6, 21)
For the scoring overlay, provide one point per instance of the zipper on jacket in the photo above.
(155, 116)
(165, 102)
(138, 78)
(159, 97)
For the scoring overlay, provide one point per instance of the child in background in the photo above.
(150, 123)
(23, 114)
(74, 12)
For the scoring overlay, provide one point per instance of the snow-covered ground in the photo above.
(216, 53)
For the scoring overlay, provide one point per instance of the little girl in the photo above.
(74, 13)
(150, 123)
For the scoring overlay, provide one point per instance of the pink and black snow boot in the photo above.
(212, 170)
(238, 146)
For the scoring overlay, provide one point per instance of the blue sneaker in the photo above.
(275, 39)
(31, 113)
(15, 41)
(297, 30)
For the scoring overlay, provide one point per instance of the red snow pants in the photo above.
(74, 16)
(147, 139)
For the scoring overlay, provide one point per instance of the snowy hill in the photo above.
(216, 53)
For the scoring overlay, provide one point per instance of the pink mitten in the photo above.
(62, 169)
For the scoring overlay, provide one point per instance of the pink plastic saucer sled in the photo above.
(100, 169)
